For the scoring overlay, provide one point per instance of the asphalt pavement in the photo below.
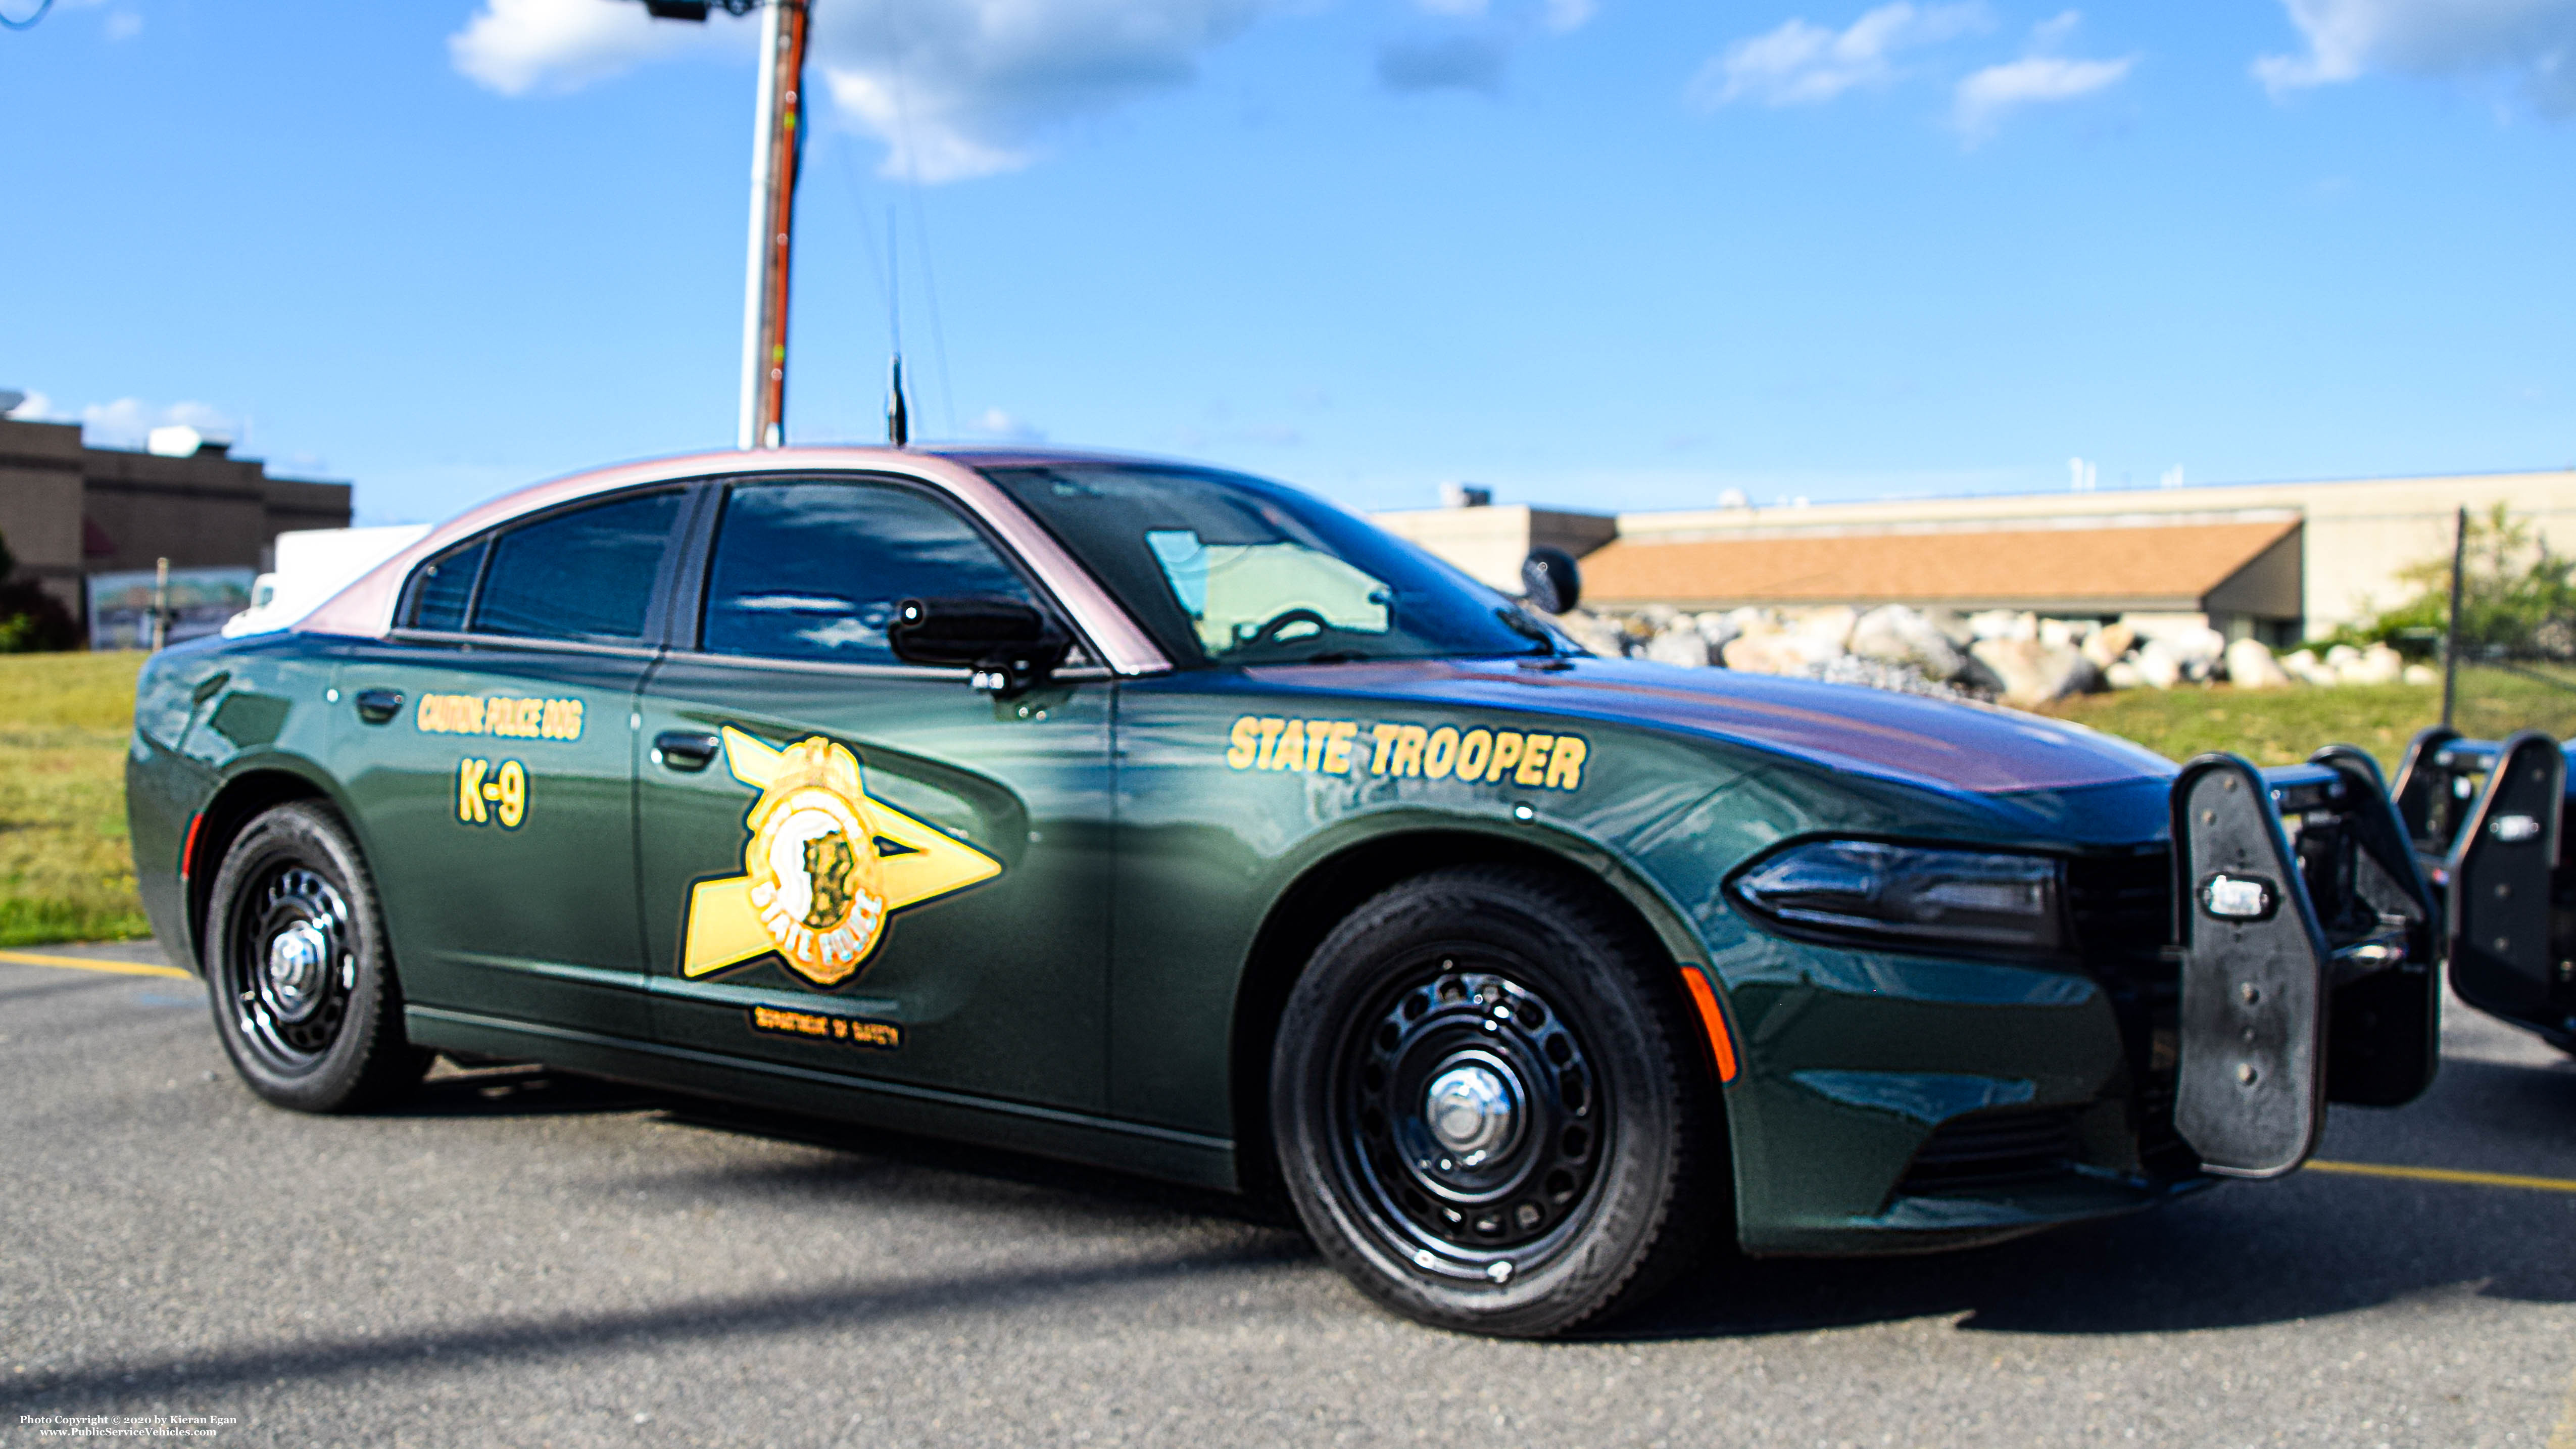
(524, 1258)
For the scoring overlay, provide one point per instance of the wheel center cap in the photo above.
(1471, 1108)
(299, 959)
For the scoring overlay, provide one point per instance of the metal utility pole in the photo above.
(2451, 625)
(774, 154)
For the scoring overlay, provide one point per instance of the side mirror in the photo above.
(1550, 581)
(1007, 644)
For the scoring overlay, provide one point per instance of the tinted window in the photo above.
(1222, 568)
(443, 587)
(815, 570)
(587, 574)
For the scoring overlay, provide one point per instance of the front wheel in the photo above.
(298, 970)
(1488, 1109)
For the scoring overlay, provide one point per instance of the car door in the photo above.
(488, 752)
(855, 866)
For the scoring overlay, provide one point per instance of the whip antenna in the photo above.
(898, 416)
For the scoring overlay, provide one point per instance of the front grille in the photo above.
(1984, 1151)
(2121, 909)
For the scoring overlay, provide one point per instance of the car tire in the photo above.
(1491, 1109)
(298, 970)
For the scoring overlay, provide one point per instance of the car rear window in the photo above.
(444, 587)
(584, 574)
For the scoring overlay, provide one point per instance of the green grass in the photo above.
(65, 871)
(2267, 726)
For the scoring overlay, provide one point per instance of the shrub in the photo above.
(2517, 597)
(31, 619)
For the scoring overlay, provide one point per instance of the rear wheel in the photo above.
(300, 978)
(1488, 1111)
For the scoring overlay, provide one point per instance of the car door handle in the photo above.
(376, 706)
(685, 749)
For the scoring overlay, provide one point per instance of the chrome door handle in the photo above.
(690, 750)
(376, 706)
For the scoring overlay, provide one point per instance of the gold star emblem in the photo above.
(819, 880)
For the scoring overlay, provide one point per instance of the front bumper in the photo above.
(1900, 1103)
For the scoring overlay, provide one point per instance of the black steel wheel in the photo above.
(299, 977)
(1488, 1107)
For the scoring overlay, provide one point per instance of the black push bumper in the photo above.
(2307, 933)
(2488, 821)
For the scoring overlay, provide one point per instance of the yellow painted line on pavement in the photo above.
(2448, 1174)
(91, 963)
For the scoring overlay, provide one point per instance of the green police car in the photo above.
(1168, 819)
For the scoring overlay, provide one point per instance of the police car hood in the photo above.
(1910, 738)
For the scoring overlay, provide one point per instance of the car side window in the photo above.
(444, 587)
(815, 570)
(584, 574)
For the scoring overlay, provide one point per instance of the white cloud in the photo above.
(1985, 97)
(954, 88)
(997, 424)
(2532, 42)
(1563, 16)
(516, 46)
(125, 422)
(1805, 64)
(34, 408)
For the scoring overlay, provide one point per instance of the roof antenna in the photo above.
(898, 417)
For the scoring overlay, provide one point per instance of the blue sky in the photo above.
(1602, 253)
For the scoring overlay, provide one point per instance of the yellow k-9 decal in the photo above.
(486, 792)
(825, 866)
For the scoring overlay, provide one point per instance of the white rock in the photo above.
(1716, 629)
(1681, 644)
(2033, 673)
(2064, 632)
(2304, 665)
(1953, 626)
(2107, 645)
(2122, 675)
(1828, 628)
(2250, 666)
(2156, 665)
(1766, 654)
(2340, 656)
(2198, 651)
(2422, 674)
(1895, 634)
(2378, 664)
(2003, 624)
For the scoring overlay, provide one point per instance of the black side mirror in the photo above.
(1550, 581)
(1006, 643)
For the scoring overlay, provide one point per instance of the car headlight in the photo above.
(1897, 896)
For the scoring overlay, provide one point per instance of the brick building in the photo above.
(69, 511)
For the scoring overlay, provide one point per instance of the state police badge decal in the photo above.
(825, 867)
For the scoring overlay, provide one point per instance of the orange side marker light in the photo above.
(1720, 1045)
(188, 852)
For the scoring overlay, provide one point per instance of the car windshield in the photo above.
(1226, 569)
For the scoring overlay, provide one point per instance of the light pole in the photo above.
(778, 131)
